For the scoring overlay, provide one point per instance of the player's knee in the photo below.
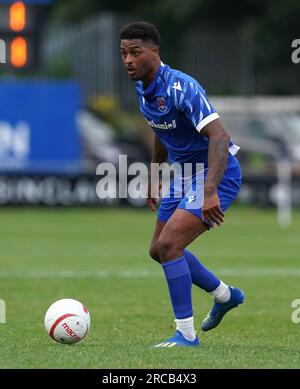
(164, 247)
(153, 252)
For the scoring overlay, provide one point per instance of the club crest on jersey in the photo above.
(161, 104)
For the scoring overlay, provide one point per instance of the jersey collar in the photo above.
(151, 87)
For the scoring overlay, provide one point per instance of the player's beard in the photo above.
(138, 74)
(141, 73)
(134, 77)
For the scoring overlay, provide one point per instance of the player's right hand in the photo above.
(211, 209)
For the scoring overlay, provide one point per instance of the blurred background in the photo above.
(66, 103)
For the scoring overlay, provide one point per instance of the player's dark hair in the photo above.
(141, 30)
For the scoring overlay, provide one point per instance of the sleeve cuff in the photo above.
(207, 120)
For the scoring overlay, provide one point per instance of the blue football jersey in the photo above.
(177, 108)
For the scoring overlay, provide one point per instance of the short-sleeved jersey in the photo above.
(177, 108)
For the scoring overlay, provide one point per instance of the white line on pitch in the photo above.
(263, 272)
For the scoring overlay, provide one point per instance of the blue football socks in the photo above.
(179, 280)
(201, 276)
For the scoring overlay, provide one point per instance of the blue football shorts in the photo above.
(187, 193)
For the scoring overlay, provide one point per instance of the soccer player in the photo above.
(187, 130)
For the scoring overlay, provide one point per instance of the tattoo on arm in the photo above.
(217, 161)
(219, 141)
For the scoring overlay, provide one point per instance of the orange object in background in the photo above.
(18, 52)
(17, 16)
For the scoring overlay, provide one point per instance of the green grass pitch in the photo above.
(100, 257)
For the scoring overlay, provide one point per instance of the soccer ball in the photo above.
(67, 321)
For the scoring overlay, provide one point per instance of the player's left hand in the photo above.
(211, 210)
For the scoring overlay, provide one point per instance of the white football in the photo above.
(67, 321)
